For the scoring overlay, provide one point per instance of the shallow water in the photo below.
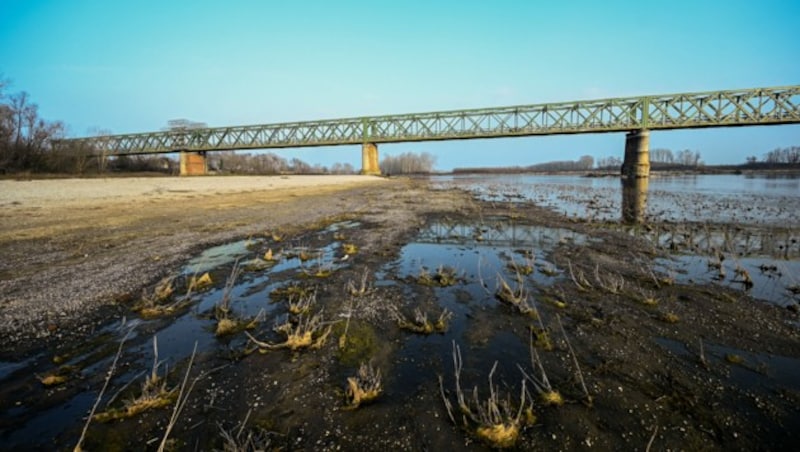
(746, 199)
(739, 222)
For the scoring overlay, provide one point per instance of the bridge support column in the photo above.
(193, 163)
(637, 155)
(634, 199)
(369, 159)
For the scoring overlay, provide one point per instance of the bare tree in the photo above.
(408, 163)
(25, 139)
(609, 163)
(789, 155)
(661, 155)
(688, 158)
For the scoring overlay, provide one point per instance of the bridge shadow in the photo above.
(634, 199)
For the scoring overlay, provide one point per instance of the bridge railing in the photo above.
(760, 106)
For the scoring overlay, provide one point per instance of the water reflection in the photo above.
(634, 199)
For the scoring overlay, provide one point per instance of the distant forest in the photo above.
(660, 160)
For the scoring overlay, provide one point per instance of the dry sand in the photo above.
(82, 192)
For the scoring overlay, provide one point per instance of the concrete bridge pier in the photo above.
(634, 199)
(369, 159)
(193, 163)
(637, 154)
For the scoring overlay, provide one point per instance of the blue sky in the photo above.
(130, 66)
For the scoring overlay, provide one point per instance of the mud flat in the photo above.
(576, 334)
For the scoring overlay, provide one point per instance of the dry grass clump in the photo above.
(646, 298)
(364, 387)
(516, 297)
(60, 376)
(198, 283)
(525, 268)
(301, 305)
(362, 289)
(349, 249)
(52, 380)
(323, 270)
(291, 291)
(257, 264)
(304, 255)
(443, 277)
(540, 338)
(743, 277)
(420, 323)
(670, 317)
(308, 331)
(609, 282)
(733, 358)
(154, 394)
(548, 269)
(237, 439)
(229, 322)
(160, 302)
(547, 395)
(495, 420)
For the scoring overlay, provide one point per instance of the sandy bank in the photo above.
(62, 192)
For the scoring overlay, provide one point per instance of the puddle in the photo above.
(773, 281)
(7, 367)
(218, 256)
(481, 325)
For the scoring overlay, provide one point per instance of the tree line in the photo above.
(230, 162)
(788, 155)
(407, 163)
(660, 158)
(585, 163)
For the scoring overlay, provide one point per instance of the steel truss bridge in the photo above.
(745, 107)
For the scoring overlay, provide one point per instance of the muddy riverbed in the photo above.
(352, 318)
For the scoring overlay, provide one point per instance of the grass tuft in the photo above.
(364, 387)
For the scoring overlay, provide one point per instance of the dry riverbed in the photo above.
(637, 358)
(72, 245)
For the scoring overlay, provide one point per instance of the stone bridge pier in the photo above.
(369, 159)
(635, 176)
(637, 154)
(193, 163)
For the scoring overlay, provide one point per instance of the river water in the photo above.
(747, 199)
(752, 220)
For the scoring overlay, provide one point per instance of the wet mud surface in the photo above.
(651, 336)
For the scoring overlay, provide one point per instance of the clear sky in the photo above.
(130, 66)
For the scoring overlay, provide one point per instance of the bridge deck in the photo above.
(747, 107)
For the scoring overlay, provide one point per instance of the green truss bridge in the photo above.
(636, 116)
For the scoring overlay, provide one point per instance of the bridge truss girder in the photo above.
(747, 107)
